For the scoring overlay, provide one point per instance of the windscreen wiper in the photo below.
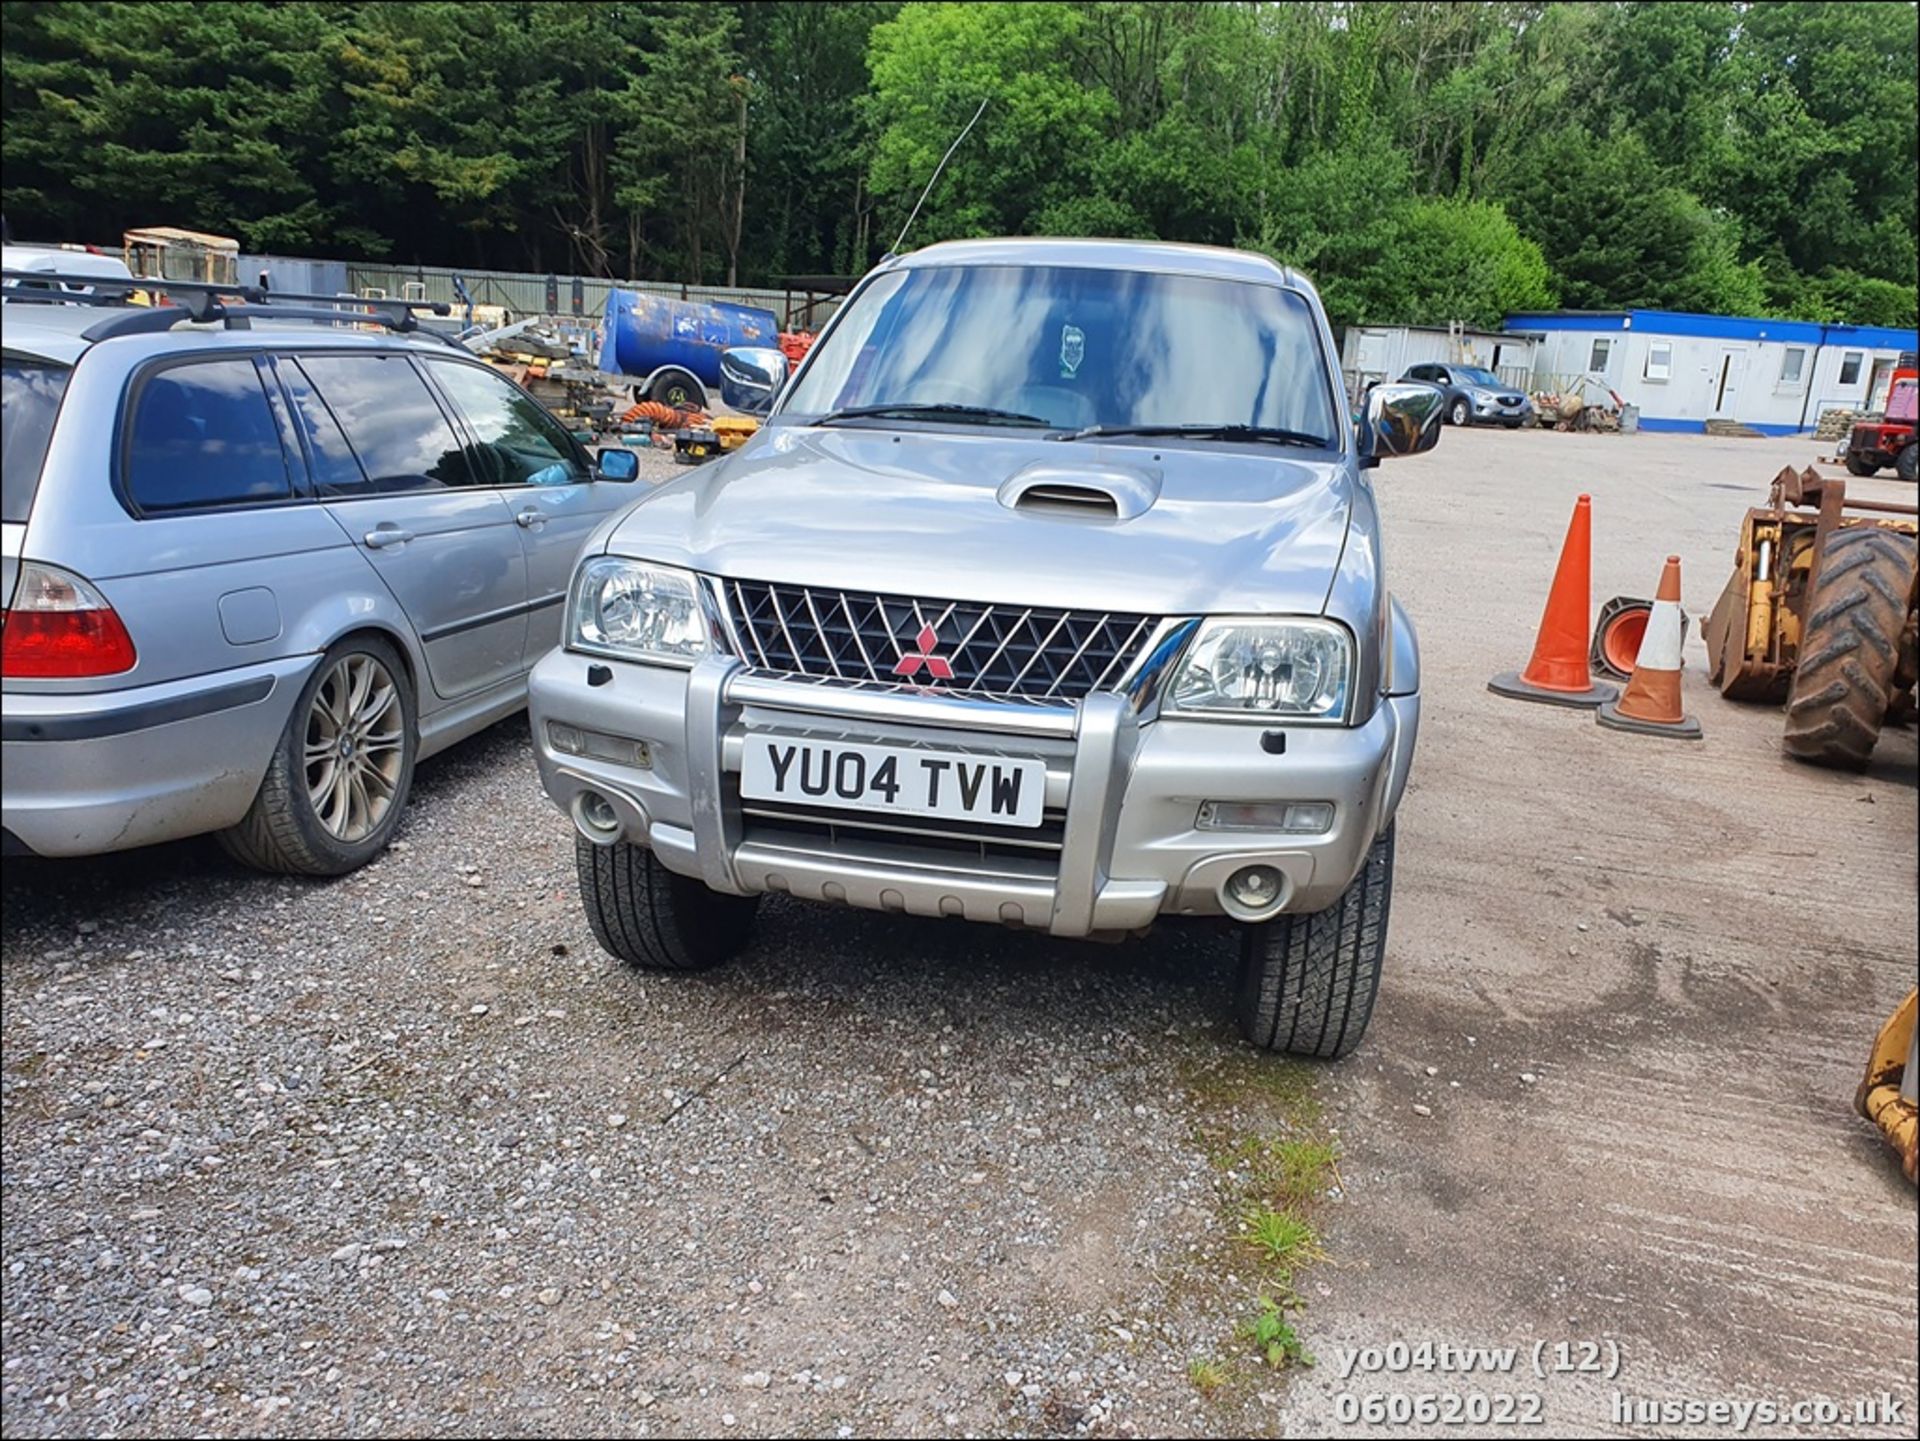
(1206, 430)
(935, 410)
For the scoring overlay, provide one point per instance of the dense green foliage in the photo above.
(1423, 161)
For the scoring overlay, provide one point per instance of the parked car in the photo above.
(88, 271)
(252, 575)
(1050, 594)
(1475, 395)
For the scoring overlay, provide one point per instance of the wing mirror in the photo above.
(1399, 418)
(751, 377)
(616, 463)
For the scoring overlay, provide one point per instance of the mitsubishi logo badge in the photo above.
(910, 661)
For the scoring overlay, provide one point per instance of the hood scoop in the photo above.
(1082, 492)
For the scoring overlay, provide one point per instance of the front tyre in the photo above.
(1307, 983)
(1906, 465)
(653, 919)
(1458, 414)
(339, 777)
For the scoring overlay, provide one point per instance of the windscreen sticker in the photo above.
(1073, 350)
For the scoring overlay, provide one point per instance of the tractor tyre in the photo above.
(1849, 672)
(1907, 465)
(1859, 465)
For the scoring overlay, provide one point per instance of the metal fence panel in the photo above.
(526, 294)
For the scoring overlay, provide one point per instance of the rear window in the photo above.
(203, 434)
(30, 392)
(391, 419)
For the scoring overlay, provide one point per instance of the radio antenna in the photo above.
(936, 177)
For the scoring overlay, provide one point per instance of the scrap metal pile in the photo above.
(563, 380)
(1571, 411)
(555, 376)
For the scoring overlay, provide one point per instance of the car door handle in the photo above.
(530, 518)
(385, 535)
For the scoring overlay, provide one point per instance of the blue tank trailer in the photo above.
(672, 347)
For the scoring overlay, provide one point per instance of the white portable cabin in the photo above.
(1683, 370)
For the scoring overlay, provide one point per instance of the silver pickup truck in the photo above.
(1051, 594)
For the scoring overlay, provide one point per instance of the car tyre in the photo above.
(654, 919)
(1307, 983)
(1457, 413)
(341, 772)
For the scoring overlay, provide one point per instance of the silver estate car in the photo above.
(1051, 594)
(255, 569)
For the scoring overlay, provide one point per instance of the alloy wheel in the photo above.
(355, 745)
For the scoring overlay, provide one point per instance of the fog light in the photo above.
(1254, 888)
(1292, 818)
(596, 815)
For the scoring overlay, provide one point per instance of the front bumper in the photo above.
(1122, 798)
(1489, 409)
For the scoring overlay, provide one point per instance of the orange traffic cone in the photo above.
(1652, 700)
(1558, 672)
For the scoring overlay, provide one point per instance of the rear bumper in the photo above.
(83, 774)
(1122, 798)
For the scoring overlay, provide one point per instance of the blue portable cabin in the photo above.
(672, 347)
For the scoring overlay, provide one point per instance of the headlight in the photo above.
(1257, 667)
(637, 611)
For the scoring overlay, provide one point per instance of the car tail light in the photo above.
(59, 626)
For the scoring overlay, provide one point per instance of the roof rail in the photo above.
(201, 302)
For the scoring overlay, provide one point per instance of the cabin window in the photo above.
(1659, 361)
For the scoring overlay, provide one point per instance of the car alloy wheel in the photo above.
(1459, 412)
(354, 747)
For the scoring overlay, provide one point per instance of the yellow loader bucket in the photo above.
(1886, 1095)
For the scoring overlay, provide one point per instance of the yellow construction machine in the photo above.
(1821, 613)
(1887, 1092)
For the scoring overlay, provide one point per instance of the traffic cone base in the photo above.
(1650, 705)
(1684, 729)
(1558, 674)
(1515, 686)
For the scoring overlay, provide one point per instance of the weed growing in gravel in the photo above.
(1266, 1134)
(1207, 1375)
(1283, 1238)
(1273, 1337)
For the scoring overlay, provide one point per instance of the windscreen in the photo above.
(30, 391)
(1076, 347)
(1475, 375)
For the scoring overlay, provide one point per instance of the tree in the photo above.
(1732, 155)
(1037, 143)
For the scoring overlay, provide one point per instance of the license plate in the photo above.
(894, 780)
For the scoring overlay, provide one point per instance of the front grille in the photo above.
(1028, 652)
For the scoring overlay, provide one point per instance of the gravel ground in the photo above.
(407, 1153)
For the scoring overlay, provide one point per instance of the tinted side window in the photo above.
(519, 443)
(335, 471)
(203, 435)
(395, 426)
